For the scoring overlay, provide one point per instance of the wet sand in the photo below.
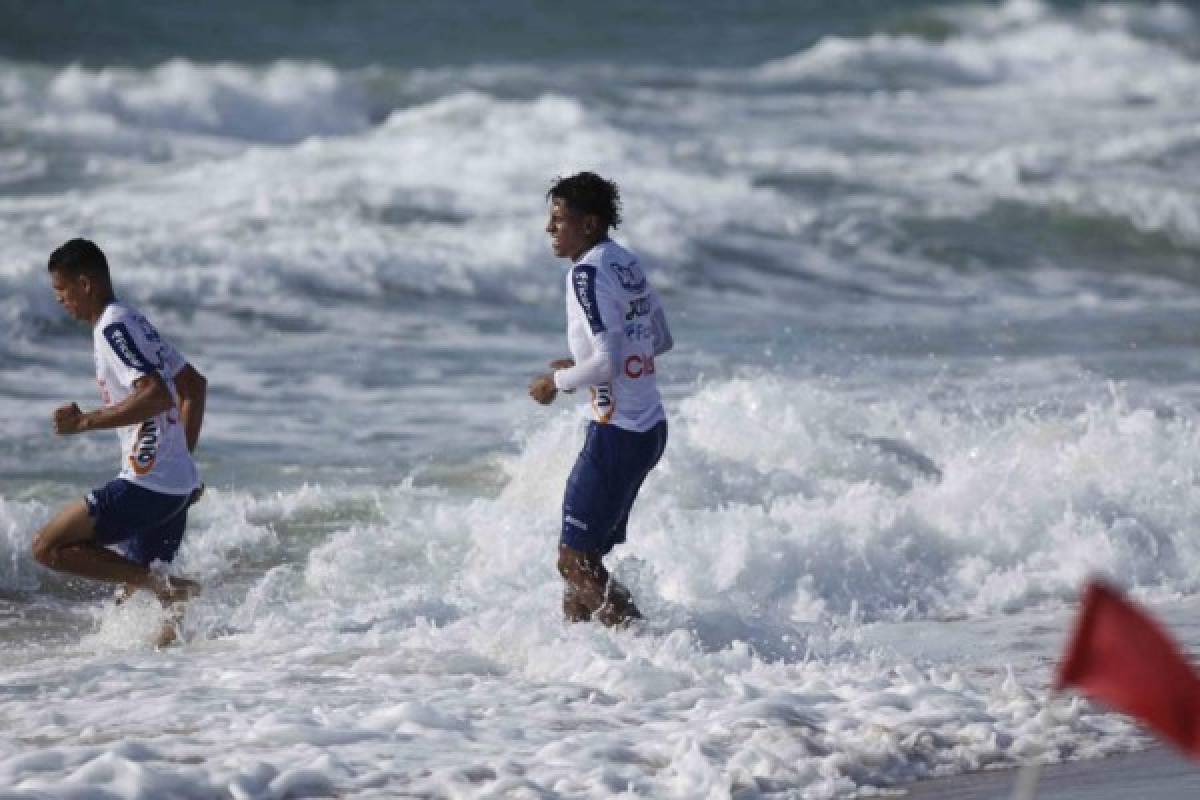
(1156, 774)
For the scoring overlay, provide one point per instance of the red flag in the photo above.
(1123, 658)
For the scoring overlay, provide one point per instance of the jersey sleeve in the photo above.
(602, 310)
(128, 350)
(162, 353)
(173, 360)
(585, 284)
(597, 369)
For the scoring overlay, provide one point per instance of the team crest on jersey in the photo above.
(630, 276)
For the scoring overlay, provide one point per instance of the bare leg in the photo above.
(574, 609)
(169, 631)
(67, 544)
(591, 591)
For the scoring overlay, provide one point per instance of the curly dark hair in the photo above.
(588, 193)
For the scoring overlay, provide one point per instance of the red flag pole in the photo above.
(1030, 772)
(1027, 781)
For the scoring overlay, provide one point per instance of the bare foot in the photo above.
(174, 594)
(615, 616)
(167, 634)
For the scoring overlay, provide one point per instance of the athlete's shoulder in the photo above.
(582, 283)
(116, 315)
(605, 251)
(121, 328)
(587, 267)
(113, 312)
(121, 312)
(614, 249)
(621, 265)
(604, 257)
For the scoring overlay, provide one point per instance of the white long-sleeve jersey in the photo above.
(616, 326)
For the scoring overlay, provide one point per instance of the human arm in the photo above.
(593, 370)
(569, 375)
(148, 398)
(542, 388)
(601, 309)
(193, 390)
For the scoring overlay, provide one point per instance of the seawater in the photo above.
(932, 278)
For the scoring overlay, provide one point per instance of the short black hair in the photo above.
(588, 193)
(80, 257)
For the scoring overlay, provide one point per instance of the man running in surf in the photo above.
(616, 327)
(154, 400)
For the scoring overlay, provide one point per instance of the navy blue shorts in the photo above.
(147, 526)
(605, 482)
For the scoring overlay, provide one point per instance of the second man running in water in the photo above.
(616, 328)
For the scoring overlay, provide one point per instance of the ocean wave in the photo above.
(337, 190)
(1021, 509)
(379, 184)
(282, 102)
(779, 501)
(369, 218)
(1021, 43)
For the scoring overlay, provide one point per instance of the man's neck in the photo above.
(95, 316)
(588, 247)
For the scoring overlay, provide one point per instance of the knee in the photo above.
(70, 528)
(44, 551)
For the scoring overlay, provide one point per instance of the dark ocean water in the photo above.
(424, 34)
